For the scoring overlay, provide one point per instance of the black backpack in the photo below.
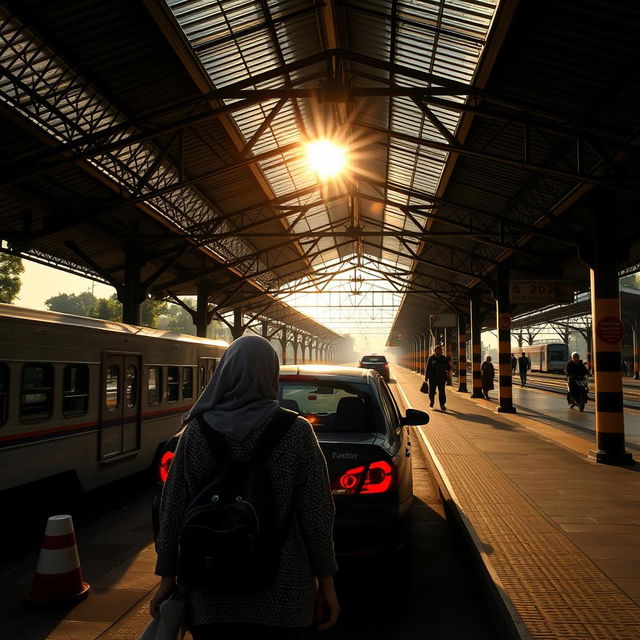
(229, 540)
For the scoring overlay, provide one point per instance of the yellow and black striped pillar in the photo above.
(503, 311)
(447, 352)
(607, 341)
(474, 312)
(462, 353)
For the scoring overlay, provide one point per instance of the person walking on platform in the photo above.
(488, 373)
(524, 364)
(240, 405)
(436, 375)
(514, 363)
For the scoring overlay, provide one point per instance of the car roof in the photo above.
(377, 356)
(322, 370)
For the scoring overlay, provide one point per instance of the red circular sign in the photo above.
(610, 329)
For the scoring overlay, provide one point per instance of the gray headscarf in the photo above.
(243, 390)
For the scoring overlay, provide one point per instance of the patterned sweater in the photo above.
(299, 475)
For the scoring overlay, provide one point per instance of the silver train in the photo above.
(550, 357)
(89, 401)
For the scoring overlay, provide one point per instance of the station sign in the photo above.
(610, 329)
(443, 320)
(540, 292)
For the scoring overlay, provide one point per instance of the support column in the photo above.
(202, 318)
(132, 294)
(607, 339)
(283, 346)
(447, 352)
(462, 353)
(503, 312)
(238, 329)
(474, 312)
(294, 342)
(265, 329)
(303, 348)
(636, 350)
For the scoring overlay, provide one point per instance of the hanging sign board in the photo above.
(540, 292)
(444, 320)
(610, 329)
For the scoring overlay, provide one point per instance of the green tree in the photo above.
(107, 309)
(10, 269)
(80, 304)
(177, 319)
(150, 311)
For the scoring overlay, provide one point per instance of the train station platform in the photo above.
(558, 536)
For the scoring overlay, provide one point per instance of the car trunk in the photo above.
(345, 451)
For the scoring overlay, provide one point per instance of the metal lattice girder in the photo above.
(40, 86)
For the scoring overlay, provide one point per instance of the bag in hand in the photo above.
(425, 387)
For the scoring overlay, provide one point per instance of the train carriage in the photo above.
(86, 401)
(549, 357)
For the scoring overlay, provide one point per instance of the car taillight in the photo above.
(377, 477)
(165, 465)
(385, 366)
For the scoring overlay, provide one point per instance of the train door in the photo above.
(120, 404)
(206, 367)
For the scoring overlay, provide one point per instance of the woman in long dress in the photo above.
(488, 372)
(239, 403)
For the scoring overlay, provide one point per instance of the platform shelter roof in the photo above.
(174, 133)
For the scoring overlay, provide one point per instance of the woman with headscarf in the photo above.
(239, 403)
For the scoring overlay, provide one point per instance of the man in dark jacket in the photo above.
(524, 364)
(436, 376)
(575, 367)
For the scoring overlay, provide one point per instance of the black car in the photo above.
(377, 363)
(365, 442)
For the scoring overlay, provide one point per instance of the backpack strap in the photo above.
(271, 436)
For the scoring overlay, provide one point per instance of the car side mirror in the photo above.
(415, 417)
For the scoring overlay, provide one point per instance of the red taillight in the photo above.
(165, 465)
(378, 478)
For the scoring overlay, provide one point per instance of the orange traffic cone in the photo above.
(58, 577)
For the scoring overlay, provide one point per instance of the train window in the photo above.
(112, 388)
(154, 388)
(173, 384)
(36, 397)
(187, 383)
(75, 390)
(131, 386)
(4, 392)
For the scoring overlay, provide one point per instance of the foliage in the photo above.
(80, 304)
(150, 311)
(85, 304)
(177, 319)
(10, 269)
(107, 309)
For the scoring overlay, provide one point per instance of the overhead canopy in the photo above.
(173, 133)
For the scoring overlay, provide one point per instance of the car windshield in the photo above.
(374, 359)
(330, 406)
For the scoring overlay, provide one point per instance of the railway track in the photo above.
(557, 383)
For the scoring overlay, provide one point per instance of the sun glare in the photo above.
(326, 159)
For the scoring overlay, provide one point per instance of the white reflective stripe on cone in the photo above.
(58, 560)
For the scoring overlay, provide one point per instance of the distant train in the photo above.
(550, 357)
(85, 402)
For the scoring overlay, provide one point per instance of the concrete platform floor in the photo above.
(560, 536)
